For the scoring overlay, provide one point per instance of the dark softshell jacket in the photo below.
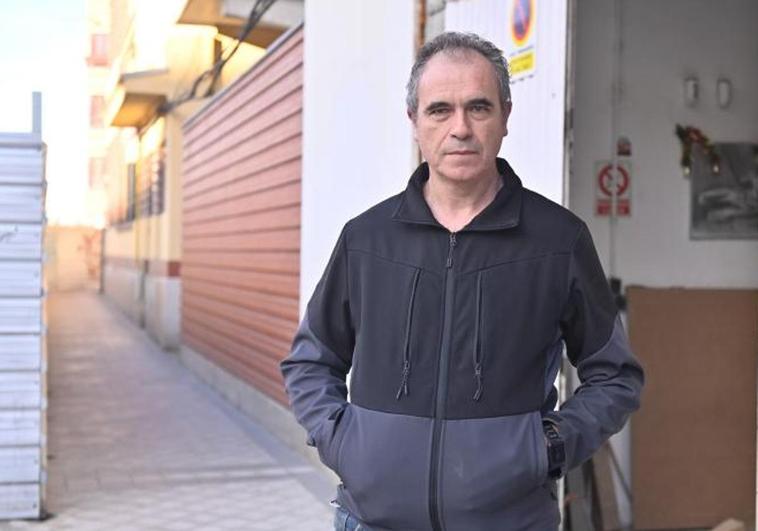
(455, 340)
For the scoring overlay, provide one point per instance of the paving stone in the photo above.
(139, 443)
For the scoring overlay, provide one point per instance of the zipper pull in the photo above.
(404, 383)
(450, 250)
(478, 376)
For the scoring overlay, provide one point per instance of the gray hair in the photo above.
(450, 42)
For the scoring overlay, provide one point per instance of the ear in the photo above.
(506, 114)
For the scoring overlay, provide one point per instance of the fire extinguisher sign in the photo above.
(604, 188)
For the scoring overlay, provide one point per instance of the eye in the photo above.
(480, 108)
(438, 113)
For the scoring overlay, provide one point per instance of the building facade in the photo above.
(156, 77)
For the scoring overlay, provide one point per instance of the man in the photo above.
(452, 302)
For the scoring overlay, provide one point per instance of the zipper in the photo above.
(435, 505)
(450, 248)
(403, 390)
(477, 333)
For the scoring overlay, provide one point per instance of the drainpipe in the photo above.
(623, 440)
(420, 23)
(420, 41)
(615, 101)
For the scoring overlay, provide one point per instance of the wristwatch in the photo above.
(556, 452)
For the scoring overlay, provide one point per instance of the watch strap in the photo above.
(556, 451)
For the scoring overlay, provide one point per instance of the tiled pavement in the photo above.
(137, 442)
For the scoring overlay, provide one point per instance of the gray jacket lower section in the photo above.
(492, 470)
(383, 460)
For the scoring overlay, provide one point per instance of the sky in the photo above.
(43, 46)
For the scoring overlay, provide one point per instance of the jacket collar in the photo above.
(502, 213)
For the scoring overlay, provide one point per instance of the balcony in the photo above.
(138, 98)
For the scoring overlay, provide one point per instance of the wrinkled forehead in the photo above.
(457, 71)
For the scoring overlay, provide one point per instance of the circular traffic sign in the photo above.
(605, 177)
(522, 21)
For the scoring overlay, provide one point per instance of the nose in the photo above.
(460, 127)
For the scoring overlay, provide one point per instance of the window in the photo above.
(152, 183)
(157, 183)
(131, 191)
(98, 55)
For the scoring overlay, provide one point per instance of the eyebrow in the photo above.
(479, 101)
(445, 105)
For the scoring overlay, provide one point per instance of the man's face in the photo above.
(460, 122)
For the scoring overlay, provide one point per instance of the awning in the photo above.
(138, 98)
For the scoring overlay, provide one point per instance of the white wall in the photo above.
(163, 310)
(358, 144)
(662, 45)
(535, 142)
(121, 285)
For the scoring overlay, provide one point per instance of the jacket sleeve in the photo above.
(596, 344)
(321, 355)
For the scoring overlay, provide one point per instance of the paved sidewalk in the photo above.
(137, 442)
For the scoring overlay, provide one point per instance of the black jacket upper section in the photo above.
(526, 276)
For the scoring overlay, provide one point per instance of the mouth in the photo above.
(462, 152)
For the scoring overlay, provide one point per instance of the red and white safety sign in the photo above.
(604, 187)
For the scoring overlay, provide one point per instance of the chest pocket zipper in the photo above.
(477, 340)
(403, 389)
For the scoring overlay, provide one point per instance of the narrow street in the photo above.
(136, 441)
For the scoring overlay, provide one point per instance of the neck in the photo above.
(454, 203)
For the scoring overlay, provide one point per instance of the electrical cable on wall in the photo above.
(256, 13)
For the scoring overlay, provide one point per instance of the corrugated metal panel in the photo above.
(283, 217)
(20, 464)
(277, 124)
(287, 239)
(259, 165)
(20, 501)
(18, 428)
(263, 74)
(20, 352)
(20, 315)
(274, 283)
(227, 315)
(256, 300)
(21, 203)
(241, 220)
(243, 354)
(222, 356)
(268, 119)
(277, 188)
(282, 263)
(21, 166)
(20, 390)
(20, 242)
(20, 279)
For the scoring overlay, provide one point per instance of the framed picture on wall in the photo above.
(724, 203)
